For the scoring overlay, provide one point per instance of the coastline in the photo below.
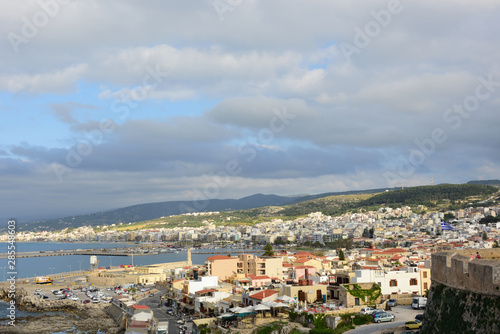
(75, 317)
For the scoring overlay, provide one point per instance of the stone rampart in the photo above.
(457, 269)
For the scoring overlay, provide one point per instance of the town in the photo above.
(350, 264)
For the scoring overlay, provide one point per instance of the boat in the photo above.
(43, 280)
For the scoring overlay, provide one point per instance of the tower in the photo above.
(189, 257)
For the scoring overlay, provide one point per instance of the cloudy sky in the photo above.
(105, 104)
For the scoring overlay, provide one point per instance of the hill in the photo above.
(431, 195)
(440, 197)
(259, 207)
(149, 211)
(486, 182)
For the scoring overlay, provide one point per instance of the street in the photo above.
(160, 313)
(403, 313)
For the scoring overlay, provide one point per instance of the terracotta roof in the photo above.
(140, 307)
(253, 277)
(301, 260)
(397, 250)
(369, 267)
(205, 291)
(304, 254)
(287, 265)
(219, 257)
(263, 294)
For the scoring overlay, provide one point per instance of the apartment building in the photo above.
(405, 281)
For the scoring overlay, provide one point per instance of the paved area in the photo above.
(403, 313)
(160, 312)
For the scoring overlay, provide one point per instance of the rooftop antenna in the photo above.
(402, 186)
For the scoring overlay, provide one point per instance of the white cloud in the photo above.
(61, 81)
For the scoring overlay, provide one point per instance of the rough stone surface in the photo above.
(88, 318)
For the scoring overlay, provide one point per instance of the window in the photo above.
(393, 282)
(425, 274)
(413, 281)
(425, 286)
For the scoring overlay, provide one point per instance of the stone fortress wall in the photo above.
(456, 269)
(465, 293)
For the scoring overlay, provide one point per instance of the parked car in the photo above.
(377, 311)
(86, 301)
(410, 332)
(384, 317)
(38, 290)
(180, 321)
(367, 310)
(392, 302)
(419, 317)
(413, 324)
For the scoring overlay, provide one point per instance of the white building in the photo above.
(202, 283)
(405, 281)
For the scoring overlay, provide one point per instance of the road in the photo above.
(403, 313)
(160, 313)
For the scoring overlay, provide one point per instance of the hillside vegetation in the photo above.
(258, 208)
(439, 197)
(431, 195)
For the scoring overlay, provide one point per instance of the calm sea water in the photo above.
(47, 265)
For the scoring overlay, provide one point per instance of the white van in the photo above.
(419, 303)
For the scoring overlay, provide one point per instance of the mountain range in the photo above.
(150, 211)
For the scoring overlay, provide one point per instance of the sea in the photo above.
(37, 266)
(30, 267)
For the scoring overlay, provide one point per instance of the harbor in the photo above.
(75, 257)
(104, 252)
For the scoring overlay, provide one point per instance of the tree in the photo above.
(268, 250)
(341, 255)
(485, 236)
(448, 217)
(495, 244)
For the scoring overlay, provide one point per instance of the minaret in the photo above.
(189, 262)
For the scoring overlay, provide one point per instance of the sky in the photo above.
(105, 104)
